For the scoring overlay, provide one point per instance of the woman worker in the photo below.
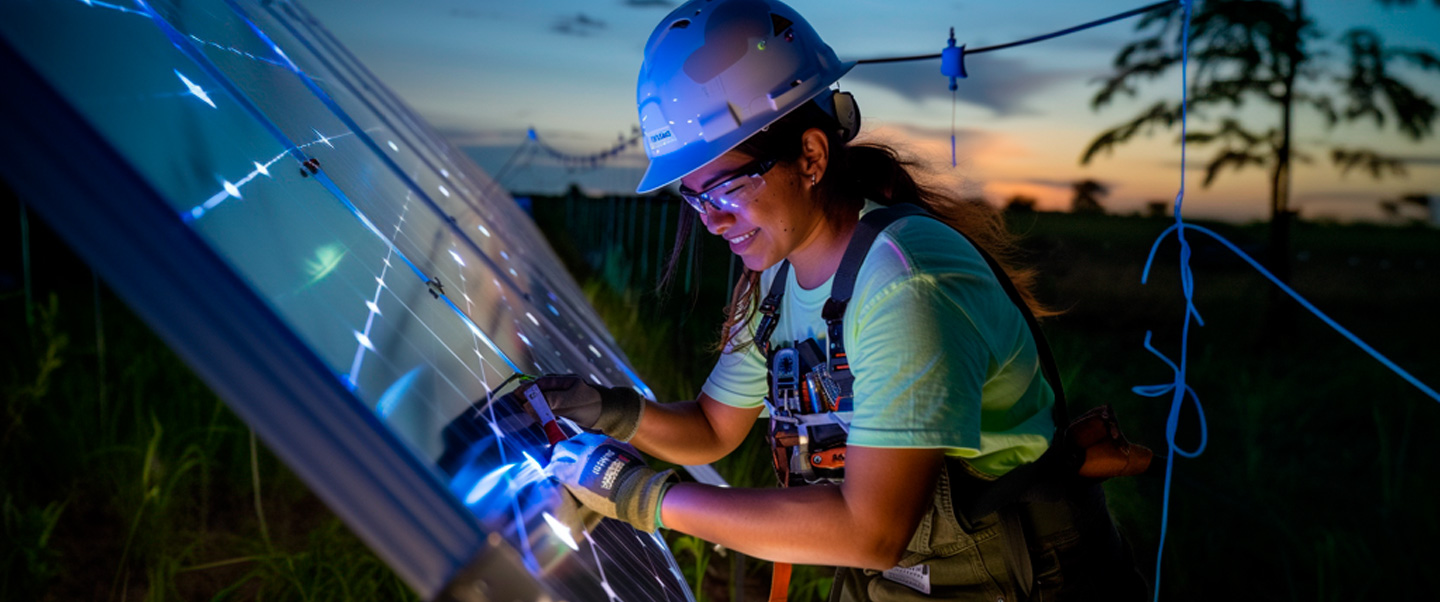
(925, 388)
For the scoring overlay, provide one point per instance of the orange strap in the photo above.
(780, 582)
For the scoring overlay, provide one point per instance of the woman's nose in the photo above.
(717, 221)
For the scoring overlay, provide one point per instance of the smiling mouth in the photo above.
(744, 237)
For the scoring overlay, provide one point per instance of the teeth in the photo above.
(745, 237)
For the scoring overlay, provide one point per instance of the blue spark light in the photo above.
(561, 531)
(194, 89)
(488, 483)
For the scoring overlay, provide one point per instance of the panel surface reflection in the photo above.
(417, 282)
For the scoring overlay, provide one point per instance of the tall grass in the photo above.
(125, 478)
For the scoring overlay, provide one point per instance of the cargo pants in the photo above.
(1063, 548)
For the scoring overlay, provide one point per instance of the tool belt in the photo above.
(810, 413)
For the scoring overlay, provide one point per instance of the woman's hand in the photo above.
(865, 522)
(613, 411)
(611, 479)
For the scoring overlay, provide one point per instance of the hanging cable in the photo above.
(1039, 38)
(591, 160)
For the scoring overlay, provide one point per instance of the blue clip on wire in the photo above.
(952, 61)
(952, 65)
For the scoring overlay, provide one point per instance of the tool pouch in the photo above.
(1103, 451)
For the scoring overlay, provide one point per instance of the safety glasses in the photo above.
(743, 186)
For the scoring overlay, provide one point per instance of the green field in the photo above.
(126, 479)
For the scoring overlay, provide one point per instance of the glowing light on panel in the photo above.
(392, 146)
(531, 463)
(532, 318)
(484, 231)
(372, 304)
(524, 339)
(326, 259)
(231, 190)
(561, 531)
(364, 340)
(444, 173)
(487, 484)
(195, 90)
(457, 258)
(236, 51)
(444, 191)
(504, 255)
(594, 350)
(552, 309)
(600, 566)
(321, 138)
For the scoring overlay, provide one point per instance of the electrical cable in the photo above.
(1039, 38)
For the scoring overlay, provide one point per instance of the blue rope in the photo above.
(1387, 362)
(1179, 389)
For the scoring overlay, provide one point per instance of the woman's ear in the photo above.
(814, 154)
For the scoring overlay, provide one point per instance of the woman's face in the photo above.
(767, 228)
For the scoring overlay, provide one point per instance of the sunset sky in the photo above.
(483, 71)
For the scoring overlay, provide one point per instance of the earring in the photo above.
(812, 179)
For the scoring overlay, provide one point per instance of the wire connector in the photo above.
(952, 61)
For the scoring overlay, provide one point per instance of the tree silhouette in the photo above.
(1424, 203)
(1087, 197)
(1020, 204)
(1260, 51)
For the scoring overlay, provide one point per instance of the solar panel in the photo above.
(358, 291)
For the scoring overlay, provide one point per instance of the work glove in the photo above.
(613, 411)
(611, 478)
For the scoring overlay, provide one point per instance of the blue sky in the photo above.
(484, 71)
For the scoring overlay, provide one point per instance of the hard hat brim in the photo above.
(672, 166)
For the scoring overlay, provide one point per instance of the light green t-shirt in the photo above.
(941, 357)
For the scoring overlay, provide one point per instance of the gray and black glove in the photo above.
(613, 411)
(611, 479)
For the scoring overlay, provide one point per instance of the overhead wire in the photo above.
(1031, 40)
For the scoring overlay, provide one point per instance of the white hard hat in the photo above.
(716, 72)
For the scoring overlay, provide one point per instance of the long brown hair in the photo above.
(856, 172)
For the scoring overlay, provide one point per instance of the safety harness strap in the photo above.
(770, 308)
(1020, 483)
(870, 227)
